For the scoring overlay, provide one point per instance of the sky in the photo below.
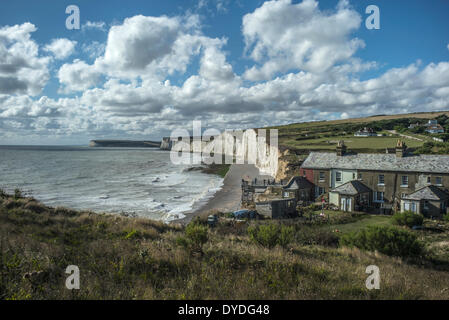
(139, 69)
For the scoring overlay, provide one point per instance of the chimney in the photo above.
(341, 148)
(400, 149)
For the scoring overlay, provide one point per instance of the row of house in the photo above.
(377, 183)
(380, 182)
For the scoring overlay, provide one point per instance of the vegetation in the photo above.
(132, 258)
(408, 218)
(324, 135)
(218, 169)
(388, 240)
(195, 237)
(270, 235)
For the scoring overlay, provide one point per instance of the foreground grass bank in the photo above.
(128, 258)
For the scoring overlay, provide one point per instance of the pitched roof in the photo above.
(378, 162)
(296, 183)
(351, 188)
(428, 193)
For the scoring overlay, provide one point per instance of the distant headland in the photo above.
(124, 144)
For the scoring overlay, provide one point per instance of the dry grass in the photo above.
(126, 258)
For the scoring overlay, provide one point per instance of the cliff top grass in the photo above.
(131, 258)
(323, 135)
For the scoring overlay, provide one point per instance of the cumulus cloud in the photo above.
(77, 76)
(22, 70)
(132, 86)
(282, 36)
(61, 48)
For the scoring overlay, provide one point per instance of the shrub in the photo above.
(317, 236)
(408, 218)
(446, 217)
(195, 237)
(17, 193)
(388, 240)
(270, 235)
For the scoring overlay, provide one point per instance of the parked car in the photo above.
(245, 214)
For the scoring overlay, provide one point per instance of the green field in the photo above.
(323, 135)
(353, 143)
(362, 222)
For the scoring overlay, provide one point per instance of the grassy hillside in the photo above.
(324, 135)
(125, 258)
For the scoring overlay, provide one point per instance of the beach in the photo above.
(228, 198)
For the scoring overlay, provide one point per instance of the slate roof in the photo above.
(351, 188)
(297, 183)
(428, 193)
(378, 162)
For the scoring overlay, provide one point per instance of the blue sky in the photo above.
(231, 64)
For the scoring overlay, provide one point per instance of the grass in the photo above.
(129, 258)
(361, 222)
(352, 142)
(323, 135)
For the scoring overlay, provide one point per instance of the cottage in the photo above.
(277, 208)
(389, 177)
(435, 128)
(299, 188)
(365, 132)
(351, 196)
(429, 201)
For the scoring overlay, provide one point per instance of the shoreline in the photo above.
(228, 198)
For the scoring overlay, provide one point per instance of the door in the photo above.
(346, 204)
(349, 204)
(343, 204)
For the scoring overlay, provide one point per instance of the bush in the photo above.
(270, 235)
(408, 218)
(388, 240)
(317, 236)
(446, 217)
(17, 193)
(195, 237)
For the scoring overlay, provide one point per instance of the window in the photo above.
(319, 191)
(322, 176)
(410, 206)
(378, 197)
(353, 176)
(360, 176)
(403, 195)
(438, 181)
(428, 179)
(381, 179)
(286, 194)
(404, 181)
(338, 176)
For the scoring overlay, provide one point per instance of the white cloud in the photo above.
(77, 76)
(22, 70)
(94, 49)
(131, 87)
(282, 36)
(61, 48)
(94, 25)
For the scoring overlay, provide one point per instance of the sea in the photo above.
(139, 182)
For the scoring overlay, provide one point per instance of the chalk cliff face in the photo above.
(166, 144)
(245, 147)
